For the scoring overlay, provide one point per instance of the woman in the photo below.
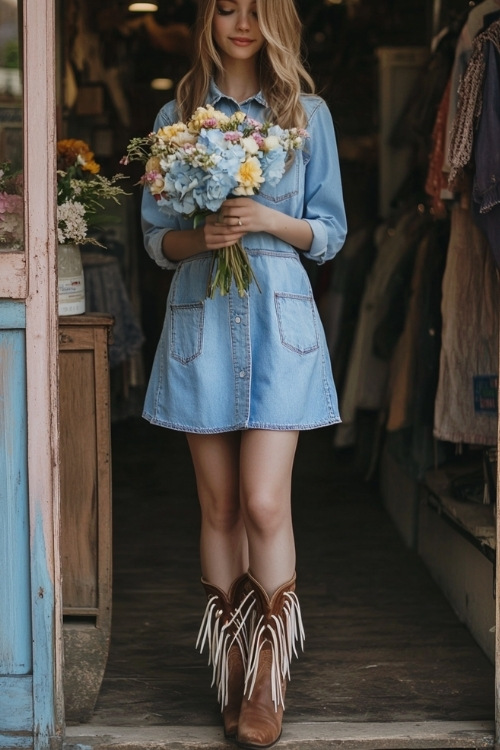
(241, 376)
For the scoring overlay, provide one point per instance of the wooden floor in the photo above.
(382, 645)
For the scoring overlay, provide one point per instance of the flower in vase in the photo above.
(82, 193)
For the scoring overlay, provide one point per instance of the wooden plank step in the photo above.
(296, 736)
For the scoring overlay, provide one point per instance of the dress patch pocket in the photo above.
(186, 337)
(297, 322)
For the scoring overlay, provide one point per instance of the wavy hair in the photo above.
(282, 74)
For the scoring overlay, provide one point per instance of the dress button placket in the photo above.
(240, 339)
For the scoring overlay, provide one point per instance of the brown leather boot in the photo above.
(224, 630)
(276, 627)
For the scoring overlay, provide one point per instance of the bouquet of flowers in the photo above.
(11, 207)
(81, 192)
(192, 168)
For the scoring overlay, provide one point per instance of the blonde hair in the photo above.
(283, 76)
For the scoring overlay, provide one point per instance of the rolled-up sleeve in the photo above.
(155, 223)
(323, 199)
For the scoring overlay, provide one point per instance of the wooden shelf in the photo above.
(475, 520)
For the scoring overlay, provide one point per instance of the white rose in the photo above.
(183, 137)
(250, 145)
(271, 142)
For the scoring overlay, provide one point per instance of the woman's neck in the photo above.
(239, 81)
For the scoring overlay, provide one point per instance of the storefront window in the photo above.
(11, 128)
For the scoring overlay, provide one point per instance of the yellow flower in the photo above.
(176, 135)
(89, 165)
(249, 177)
(153, 175)
(153, 164)
(170, 131)
(239, 116)
(202, 114)
(71, 151)
(182, 138)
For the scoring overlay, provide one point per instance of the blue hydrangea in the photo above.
(273, 166)
(213, 140)
(180, 182)
(214, 189)
(276, 130)
(220, 180)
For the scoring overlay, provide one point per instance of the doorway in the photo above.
(414, 662)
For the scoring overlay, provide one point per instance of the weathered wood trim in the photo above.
(41, 360)
(13, 275)
(497, 598)
(16, 691)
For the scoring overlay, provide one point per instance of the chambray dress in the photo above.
(258, 361)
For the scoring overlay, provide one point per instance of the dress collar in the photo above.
(215, 95)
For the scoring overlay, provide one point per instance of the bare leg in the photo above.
(266, 462)
(223, 542)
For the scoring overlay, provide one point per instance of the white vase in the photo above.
(70, 281)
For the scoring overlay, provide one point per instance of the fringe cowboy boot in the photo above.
(274, 631)
(223, 629)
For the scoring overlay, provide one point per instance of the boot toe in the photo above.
(230, 719)
(262, 732)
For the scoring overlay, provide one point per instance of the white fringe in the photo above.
(220, 639)
(282, 633)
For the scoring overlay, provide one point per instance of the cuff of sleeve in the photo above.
(319, 246)
(487, 199)
(155, 246)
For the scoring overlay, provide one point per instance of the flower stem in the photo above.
(230, 263)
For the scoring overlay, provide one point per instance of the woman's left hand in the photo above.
(245, 215)
(248, 215)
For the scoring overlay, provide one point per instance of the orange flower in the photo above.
(71, 152)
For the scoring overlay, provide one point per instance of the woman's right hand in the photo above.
(220, 231)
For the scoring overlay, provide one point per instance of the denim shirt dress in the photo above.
(259, 361)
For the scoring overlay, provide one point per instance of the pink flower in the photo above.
(11, 204)
(254, 123)
(154, 180)
(233, 135)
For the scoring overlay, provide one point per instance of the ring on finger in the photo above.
(240, 223)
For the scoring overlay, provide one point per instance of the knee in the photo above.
(222, 517)
(265, 513)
